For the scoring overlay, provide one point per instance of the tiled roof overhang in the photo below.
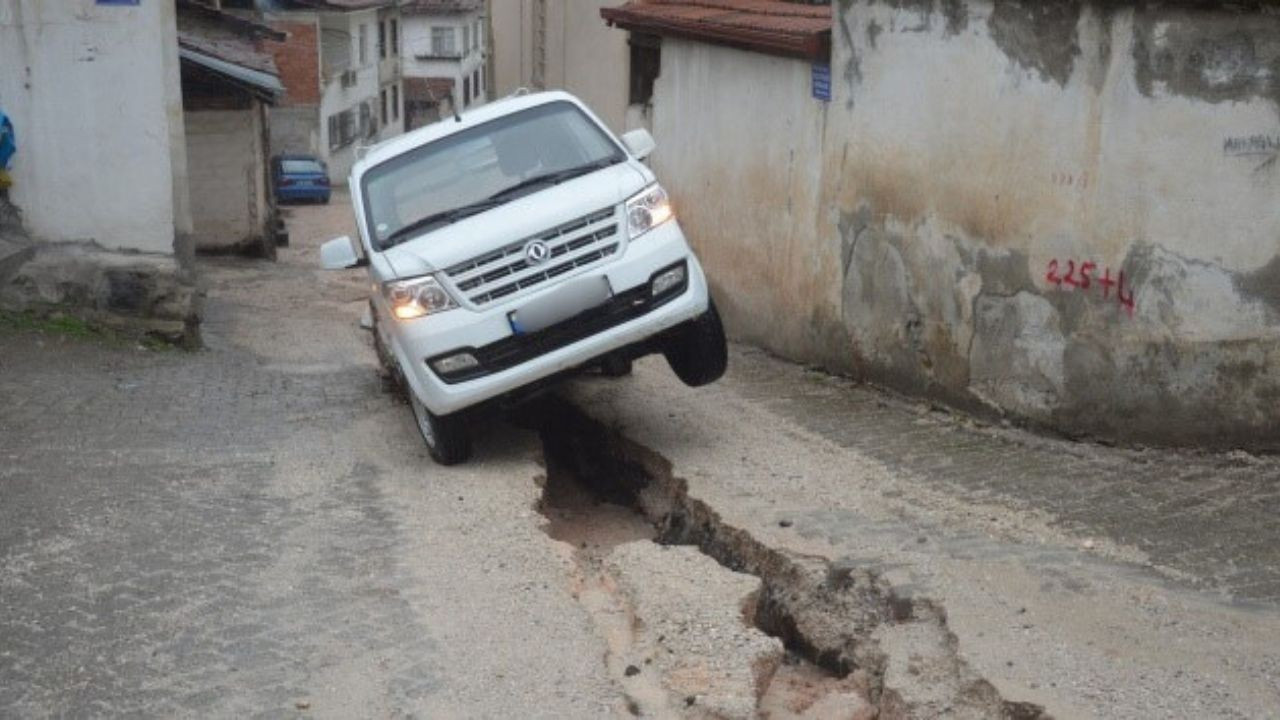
(768, 26)
(243, 25)
(265, 86)
(345, 5)
(440, 7)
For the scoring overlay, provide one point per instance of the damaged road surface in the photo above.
(255, 530)
(911, 564)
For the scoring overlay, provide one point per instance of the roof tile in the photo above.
(771, 26)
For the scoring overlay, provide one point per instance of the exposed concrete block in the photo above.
(144, 293)
(693, 612)
(1016, 361)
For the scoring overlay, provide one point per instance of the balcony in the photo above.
(440, 55)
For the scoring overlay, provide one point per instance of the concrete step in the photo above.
(13, 253)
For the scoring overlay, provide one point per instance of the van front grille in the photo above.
(579, 243)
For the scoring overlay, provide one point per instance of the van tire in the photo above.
(616, 366)
(446, 437)
(697, 351)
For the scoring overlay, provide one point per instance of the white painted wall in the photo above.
(582, 55)
(224, 148)
(746, 182)
(90, 89)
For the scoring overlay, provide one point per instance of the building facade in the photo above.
(443, 57)
(228, 86)
(339, 68)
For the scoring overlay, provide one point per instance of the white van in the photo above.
(516, 243)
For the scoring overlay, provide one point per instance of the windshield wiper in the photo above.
(502, 196)
(441, 218)
(552, 178)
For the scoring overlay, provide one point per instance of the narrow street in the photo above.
(255, 530)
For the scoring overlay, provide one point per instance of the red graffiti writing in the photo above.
(1083, 276)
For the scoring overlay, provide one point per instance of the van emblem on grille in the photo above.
(537, 252)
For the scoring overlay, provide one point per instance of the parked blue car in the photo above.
(300, 178)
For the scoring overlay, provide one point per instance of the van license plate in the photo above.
(561, 304)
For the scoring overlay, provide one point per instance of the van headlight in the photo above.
(648, 210)
(417, 297)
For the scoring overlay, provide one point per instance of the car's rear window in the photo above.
(301, 166)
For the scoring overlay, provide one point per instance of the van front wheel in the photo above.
(446, 436)
(697, 352)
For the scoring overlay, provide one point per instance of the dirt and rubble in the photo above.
(931, 568)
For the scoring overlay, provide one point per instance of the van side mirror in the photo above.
(340, 254)
(640, 143)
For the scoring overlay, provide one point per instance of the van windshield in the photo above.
(482, 167)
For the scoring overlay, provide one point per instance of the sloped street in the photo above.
(255, 529)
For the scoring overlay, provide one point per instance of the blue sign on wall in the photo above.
(822, 82)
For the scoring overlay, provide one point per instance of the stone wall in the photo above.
(1062, 213)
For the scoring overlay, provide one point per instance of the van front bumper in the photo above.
(508, 362)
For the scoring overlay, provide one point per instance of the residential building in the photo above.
(337, 65)
(443, 57)
(100, 177)
(390, 74)
(227, 87)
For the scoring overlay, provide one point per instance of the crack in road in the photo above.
(846, 627)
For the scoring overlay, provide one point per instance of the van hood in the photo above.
(525, 217)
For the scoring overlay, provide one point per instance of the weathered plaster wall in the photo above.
(228, 176)
(579, 54)
(92, 92)
(739, 148)
(588, 59)
(985, 174)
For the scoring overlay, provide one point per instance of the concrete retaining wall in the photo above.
(1060, 212)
